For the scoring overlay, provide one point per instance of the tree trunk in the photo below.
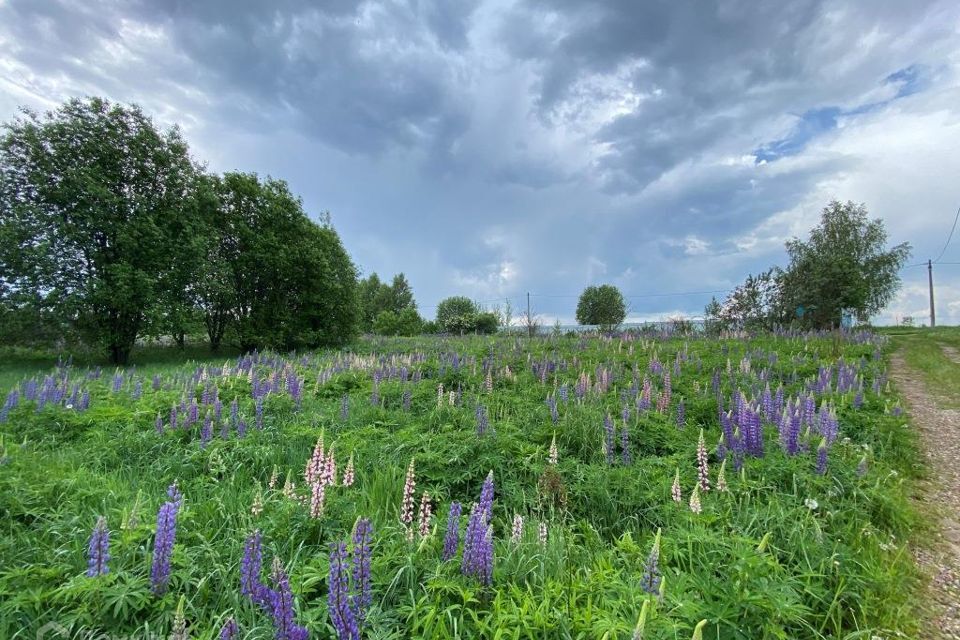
(119, 354)
(180, 339)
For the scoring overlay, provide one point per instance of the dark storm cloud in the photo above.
(494, 147)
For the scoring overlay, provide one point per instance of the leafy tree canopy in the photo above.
(601, 305)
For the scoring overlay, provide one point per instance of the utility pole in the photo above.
(933, 313)
(530, 323)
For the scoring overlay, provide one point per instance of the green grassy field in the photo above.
(798, 544)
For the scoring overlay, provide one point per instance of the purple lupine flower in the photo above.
(551, 403)
(681, 415)
(610, 438)
(360, 557)
(285, 626)
(478, 542)
(650, 581)
(338, 600)
(206, 432)
(234, 411)
(241, 428)
(452, 539)
(156, 382)
(98, 549)
(822, 457)
(405, 401)
(158, 423)
(482, 421)
(117, 382)
(230, 630)
(137, 390)
(163, 541)
(344, 407)
(250, 568)
(375, 395)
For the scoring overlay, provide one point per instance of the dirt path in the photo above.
(940, 435)
(952, 354)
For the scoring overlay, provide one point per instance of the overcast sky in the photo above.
(492, 148)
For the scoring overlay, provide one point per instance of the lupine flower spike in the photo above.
(452, 538)
(695, 505)
(406, 506)
(179, 631)
(542, 534)
(426, 509)
(650, 582)
(229, 631)
(517, 532)
(338, 599)
(98, 550)
(348, 473)
(641, 621)
(362, 537)
(554, 454)
(722, 476)
(698, 630)
(703, 470)
(163, 541)
(675, 490)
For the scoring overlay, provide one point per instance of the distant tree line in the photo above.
(843, 267)
(110, 232)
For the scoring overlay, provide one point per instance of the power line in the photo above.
(949, 237)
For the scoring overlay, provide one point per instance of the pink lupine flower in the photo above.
(426, 509)
(406, 507)
(703, 470)
(348, 473)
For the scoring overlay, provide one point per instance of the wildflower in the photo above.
(229, 631)
(542, 533)
(811, 504)
(426, 509)
(272, 484)
(344, 407)
(338, 601)
(318, 494)
(250, 568)
(281, 609)
(98, 549)
(698, 630)
(158, 423)
(722, 476)
(452, 538)
(257, 507)
(478, 542)
(481, 419)
(650, 582)
(675, 489)
(554, 454)
(625, 445)
(488, 382)
(360, 556)
(703, 470)
(517, 532)
(695, 499)
(822, 457)
(681, 415)
(329, 475)
(348, 473)
(641, 621)
(406, 507)
(133, 518)
(315, 465)
(439, 395)
(164, 539)
(179, 630)
(609, 438)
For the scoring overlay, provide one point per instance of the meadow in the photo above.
(481, 487)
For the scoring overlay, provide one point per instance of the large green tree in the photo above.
(271, 277)
(92, 209)
(457, 314)
(603, 306)
(377, 297)
(844, 264)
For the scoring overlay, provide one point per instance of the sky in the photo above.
(491, 148)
